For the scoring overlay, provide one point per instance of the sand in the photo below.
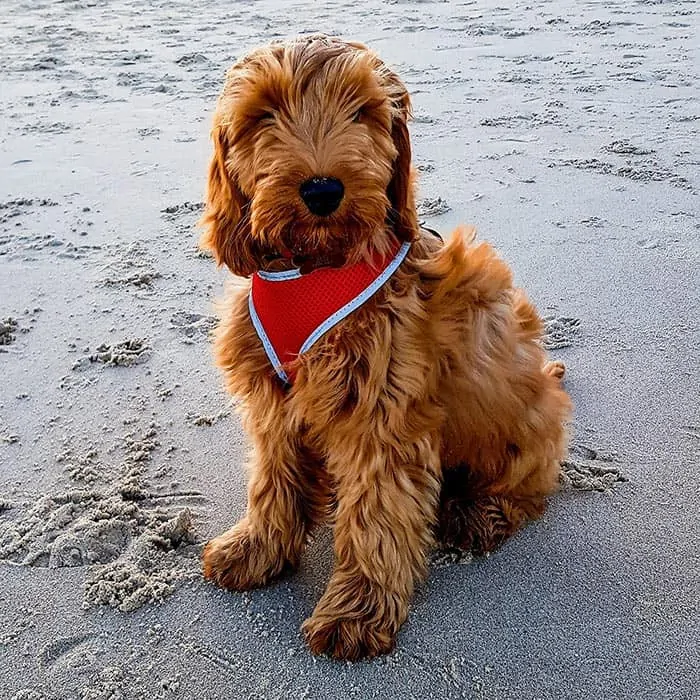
(566, 132)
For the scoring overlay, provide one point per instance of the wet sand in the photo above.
(566, 132)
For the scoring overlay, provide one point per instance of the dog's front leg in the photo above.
(386, 503)
(283, 503)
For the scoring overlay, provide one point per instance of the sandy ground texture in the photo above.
(566, 131)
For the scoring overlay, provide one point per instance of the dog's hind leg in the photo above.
(480, 522)
(481, 507)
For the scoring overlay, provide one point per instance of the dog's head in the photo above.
(311, 156)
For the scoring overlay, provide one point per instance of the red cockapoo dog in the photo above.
(392, 385)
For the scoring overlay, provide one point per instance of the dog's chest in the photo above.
(291, 312)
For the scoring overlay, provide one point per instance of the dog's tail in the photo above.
(469, 268)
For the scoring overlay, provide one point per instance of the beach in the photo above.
(566, 132)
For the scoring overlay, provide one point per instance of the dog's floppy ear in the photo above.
(226, 218)
(401, 187)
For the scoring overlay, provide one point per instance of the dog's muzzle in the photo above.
(322, 195)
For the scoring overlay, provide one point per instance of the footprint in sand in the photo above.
(588, 470)
(8, 328)
(193, 325)
(124, 354)
(560, 331)
(137, 542)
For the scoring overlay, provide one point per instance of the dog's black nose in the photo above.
(322, 195)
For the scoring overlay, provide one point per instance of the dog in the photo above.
(417, 406)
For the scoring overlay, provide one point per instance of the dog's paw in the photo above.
(239, 562)
(349, 639)
(555, 368)
(355, 619)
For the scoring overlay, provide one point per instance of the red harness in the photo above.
(291, 311)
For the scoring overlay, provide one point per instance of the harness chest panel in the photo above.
(291, 311)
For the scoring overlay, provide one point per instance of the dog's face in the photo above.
(312, 156)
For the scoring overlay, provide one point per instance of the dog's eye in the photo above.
(267, 116)
(357, 116)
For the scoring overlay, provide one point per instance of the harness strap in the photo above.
(290, 311)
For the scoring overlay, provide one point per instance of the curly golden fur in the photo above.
(430, 413)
